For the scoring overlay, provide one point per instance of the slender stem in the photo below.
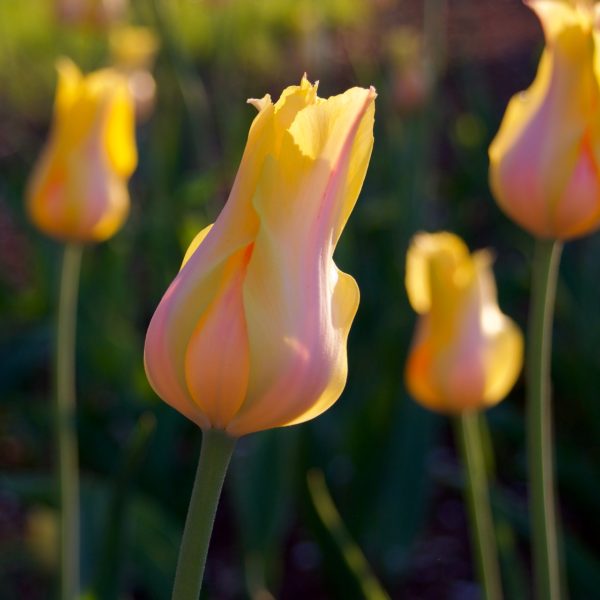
(481, 522)
(66, 430)
(217, 448)
(539, 422)
(352, 555)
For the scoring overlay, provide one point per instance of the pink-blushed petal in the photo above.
(301, 201)
(192, 290)
(578, 210)
(217, 360)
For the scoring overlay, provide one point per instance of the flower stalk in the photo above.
(66, 429)
(217, 448)
(542, 500)
(481, 523)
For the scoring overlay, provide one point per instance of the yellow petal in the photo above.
(302, 202)
(69, 80)
(120, 129)
(445, 249)
(195, 244)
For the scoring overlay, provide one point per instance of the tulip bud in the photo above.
(78, 190)
(544, 159)
(465, 354)
(252, 332)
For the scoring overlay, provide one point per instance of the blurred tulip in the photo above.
(544, 160)
(252, 332)
(78, 190)
(41, 534)
(96, 13)
(465, 354)
(133, 50)
(411, 74)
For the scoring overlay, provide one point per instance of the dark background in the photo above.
(444, 72)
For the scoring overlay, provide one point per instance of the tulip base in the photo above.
(217, 448)
(546, 564)
(66, 430)
(481, 524)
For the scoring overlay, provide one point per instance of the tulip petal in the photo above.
(578, 210)
(425, 250)
(503, 361)
(292, 287)
(217, 361)
(67, 88)
(120, 130)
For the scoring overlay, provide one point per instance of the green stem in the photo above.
(352, 555)
(539, 421)
(66, 431)
(481, 523)
(217, 448)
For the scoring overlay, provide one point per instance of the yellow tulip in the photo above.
(466, 354)
(545, 158)
(252, 332)
(78, 190)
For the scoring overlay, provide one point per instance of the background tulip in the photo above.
(252, 332)
(544, 160)
(466, 354)
(78, 190)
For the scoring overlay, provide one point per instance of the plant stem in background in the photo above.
(542, 501)
(217, 448)
(66, 429)
(481, 522)
(110, 562)
(352, 555)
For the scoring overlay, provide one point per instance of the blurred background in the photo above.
(444, 72)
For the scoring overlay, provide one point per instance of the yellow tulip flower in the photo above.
(78, 190)
(544, 161)
(466, 354)
(252, 332)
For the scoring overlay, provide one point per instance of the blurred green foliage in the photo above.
(389, 465)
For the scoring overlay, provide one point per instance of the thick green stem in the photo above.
(539, 422)
(481, 523)
(217, 448)
(66, 430)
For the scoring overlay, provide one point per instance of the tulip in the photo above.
(252, 332)
(466, 354)
(78, 191)
(133, 50)
(544, 160)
